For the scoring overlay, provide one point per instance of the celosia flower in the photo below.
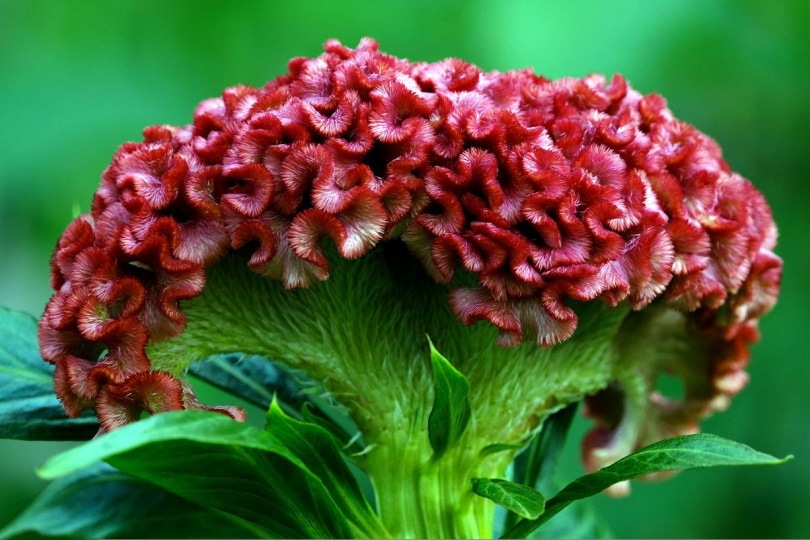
(536, 206)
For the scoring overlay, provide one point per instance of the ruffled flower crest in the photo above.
(547, 192)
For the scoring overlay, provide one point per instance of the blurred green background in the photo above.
(78, 78)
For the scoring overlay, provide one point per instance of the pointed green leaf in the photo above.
(451, 408)
(101, 502)
(523, 500)
(29, 408)
(677, 453)
(318, 450)
(209, 459)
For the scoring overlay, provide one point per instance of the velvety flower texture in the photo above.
(547, 192)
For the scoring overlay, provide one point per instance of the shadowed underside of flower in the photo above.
(547, 192)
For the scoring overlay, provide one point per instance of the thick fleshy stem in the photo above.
(383, 377)
(418, 497)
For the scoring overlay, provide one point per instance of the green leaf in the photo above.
(209, 459)
(579, 520)
(319, 452)
(678, 453)
(254, 378)
(259, 380)
(131, 508)
(29, 408)
(536, 465)
(523, 500)
(352, 444)
(451, 408)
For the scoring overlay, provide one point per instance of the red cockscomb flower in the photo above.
(540, 194)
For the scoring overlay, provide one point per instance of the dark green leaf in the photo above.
(257, 379)
(536, 465)
(254, 378)
(224, 465)
(579, 520)
(677, 453)
(451, 408)
(523, 500)
(318, 450)
(29, 408)
(352, 444)
(101, 502)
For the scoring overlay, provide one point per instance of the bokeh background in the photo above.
(78, 78)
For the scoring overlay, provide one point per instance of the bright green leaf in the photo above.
(101, 502)
(678, 453)
(451, 408)
(523, 500)
(318, 450)
(29, 408)
(215, 462)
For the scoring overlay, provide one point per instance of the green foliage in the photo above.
(260, 380)
(131, 508)
(521, 499)
(535, 466)
(451, 408)
(200, 474)
(254, 378)
(318, 450)
(677, 453)
(28, 406)
(208, 459)
(313, 414)
(579, 520)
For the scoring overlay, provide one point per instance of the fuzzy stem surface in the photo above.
(361, 334)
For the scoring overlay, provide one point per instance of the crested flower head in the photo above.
(526, 196)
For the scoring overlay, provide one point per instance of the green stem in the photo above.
(419, 497)
(361, 334)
